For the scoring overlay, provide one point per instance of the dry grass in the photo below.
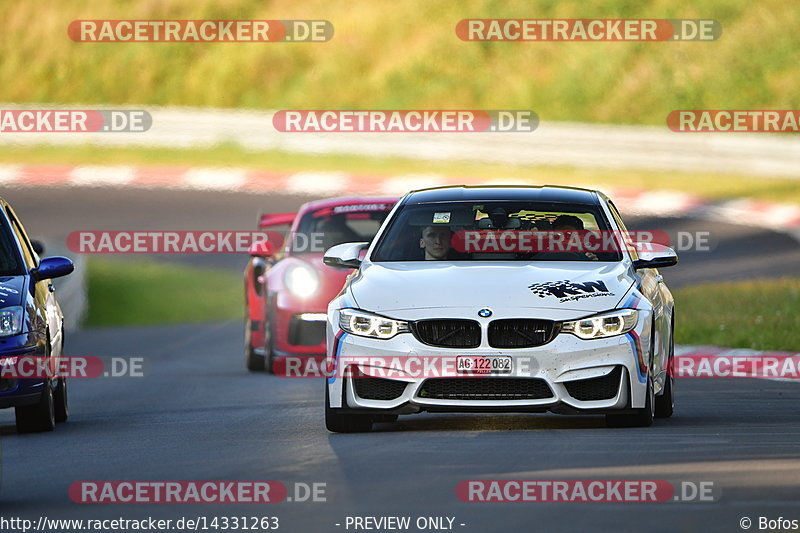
(407, 55)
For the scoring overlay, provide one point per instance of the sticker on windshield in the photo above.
(361, 208)
(441, 218)
(567, 291)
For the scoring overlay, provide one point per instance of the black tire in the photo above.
(39, 417)
(341, 421)
(253, 361)
(665, 403)
(269, 352)
(61, 401)
(638, 419)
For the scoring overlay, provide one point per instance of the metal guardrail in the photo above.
(553, 143)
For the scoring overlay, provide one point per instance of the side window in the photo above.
(621, 225)
(27, 252)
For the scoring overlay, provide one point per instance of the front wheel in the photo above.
(665, 404)
(340, 421)
(39, 417)
(639, 418)
(61, 401)
(253, 361)
(269, 352)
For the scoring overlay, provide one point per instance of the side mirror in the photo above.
(655, 256)
(38, 247)
(52, 267)
(262, 249)
(345, 255)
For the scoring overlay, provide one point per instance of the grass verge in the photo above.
(144, 292)
(707, 185)
(760, 314)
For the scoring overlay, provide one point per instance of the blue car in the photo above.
(31, 325)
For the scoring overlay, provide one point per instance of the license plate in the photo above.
(484, 364)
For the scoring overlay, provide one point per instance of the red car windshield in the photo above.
(321, 229)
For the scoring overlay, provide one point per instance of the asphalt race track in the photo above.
(198, 415)
(737, 251)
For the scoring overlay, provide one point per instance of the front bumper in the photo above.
(20, 392)
(567, 375)
(297, 328)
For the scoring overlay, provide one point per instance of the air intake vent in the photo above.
(521, 332)
(592, 389)
(448, 333)
(485, 389)
(378, 389)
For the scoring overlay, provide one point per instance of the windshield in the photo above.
(498, 231)
(10, 260)
(321, 229)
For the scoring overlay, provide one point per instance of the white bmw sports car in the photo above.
(500, 299)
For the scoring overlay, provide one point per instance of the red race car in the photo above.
(288, 288)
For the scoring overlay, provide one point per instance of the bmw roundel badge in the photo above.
(485, 313)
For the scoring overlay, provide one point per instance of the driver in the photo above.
(435, 241)
(569, 223)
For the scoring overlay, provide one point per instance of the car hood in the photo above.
(574, 286)
(12, 290)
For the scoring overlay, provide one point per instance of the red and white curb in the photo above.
(716, 362)
(777, 216)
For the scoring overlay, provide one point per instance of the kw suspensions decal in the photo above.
(568, 291)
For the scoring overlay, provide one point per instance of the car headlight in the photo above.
(603, 325)
(301, 280)
(366, 324)
(10, 321)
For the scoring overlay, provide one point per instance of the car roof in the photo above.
(479, 193)
(347, 200)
